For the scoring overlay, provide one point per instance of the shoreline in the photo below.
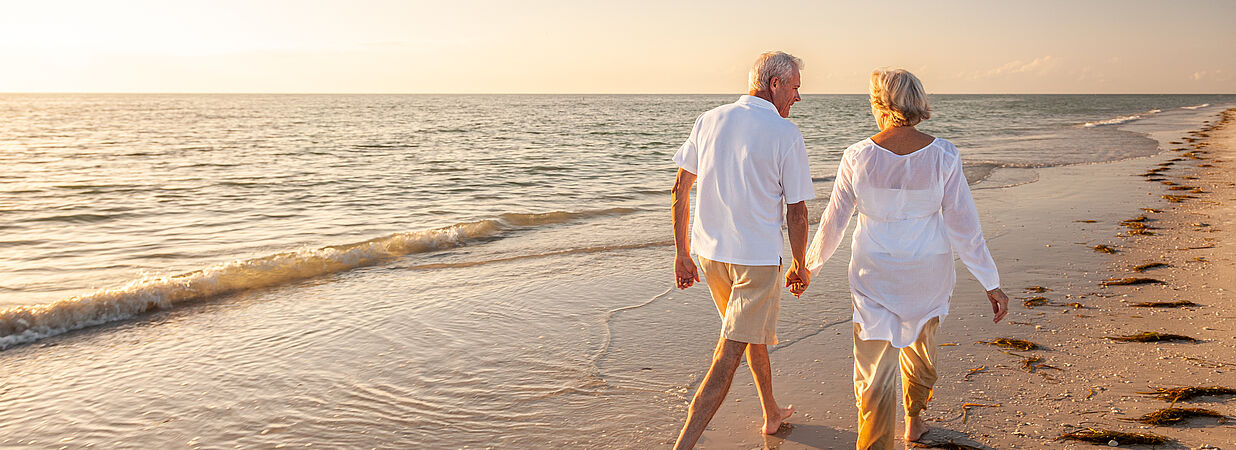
(1041, 234)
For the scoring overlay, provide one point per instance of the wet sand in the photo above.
(1044, 234)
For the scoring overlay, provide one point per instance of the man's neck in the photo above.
(766, 95)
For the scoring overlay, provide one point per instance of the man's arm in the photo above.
(685, 274)
(798, 277)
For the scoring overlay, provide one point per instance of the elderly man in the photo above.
(748, 159)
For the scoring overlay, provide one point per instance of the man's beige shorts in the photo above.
(748, 299)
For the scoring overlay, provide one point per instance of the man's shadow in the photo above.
(815, 436)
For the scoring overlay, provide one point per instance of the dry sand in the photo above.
(1038, 239)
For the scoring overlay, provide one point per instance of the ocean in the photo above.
(405, 270)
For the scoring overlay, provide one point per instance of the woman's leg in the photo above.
(875, 378)
(918, 376)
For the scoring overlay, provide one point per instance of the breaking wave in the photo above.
(1122, 119)
(1203, 105)
(24, 324)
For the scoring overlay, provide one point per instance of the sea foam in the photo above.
(1122, 119)
(24, 324)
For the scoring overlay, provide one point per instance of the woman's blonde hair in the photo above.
(899, 94)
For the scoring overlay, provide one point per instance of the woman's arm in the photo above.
(964, 232)
(836, 217)
(966, 236)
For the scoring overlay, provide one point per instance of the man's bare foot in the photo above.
(772, 424)
(916, 427)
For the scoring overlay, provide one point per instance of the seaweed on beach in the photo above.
(1177, 198)
(1140, 231)
(1030, 363)
(1037, 289)
(1104, 248)
(1086, 221)
(1091, 393)
(1152, 336)
(1016, 344)
(1176, 304)
(972, 372)
(1186, 393)
(965, 409)
(1151, 210)
(1181, 188)
(1174, 415)
(1100, 436)
(1148, 266)
(1131, 281)
(1035, 301)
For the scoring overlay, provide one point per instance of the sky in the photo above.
(629, 46)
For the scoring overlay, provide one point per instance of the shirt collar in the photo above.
(756, 101)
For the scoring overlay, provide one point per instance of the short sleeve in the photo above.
(796, 174)
(688, 155)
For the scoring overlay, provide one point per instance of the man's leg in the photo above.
(711, 392)
(761, 370)
(918, 376)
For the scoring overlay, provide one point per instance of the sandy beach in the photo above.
(1178, 208)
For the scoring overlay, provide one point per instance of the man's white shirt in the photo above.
(748, 161)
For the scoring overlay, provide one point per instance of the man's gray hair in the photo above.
(772, 64)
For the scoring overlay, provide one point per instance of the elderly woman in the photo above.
(914, 210)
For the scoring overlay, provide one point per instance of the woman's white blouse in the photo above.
(914, 211)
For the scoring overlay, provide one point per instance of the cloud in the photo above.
(1088, 73)
(1210, 75)
(1039, 66)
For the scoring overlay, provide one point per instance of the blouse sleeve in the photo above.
(964, 232)
(836, 217)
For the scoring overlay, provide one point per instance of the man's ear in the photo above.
(773, 82)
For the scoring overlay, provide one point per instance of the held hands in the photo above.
(685, 274)
(797, 279)
(999, 304)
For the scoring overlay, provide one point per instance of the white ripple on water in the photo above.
(26, 324)
(1122, 119)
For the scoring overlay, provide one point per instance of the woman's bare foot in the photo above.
(916, 427)
(772, 424)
